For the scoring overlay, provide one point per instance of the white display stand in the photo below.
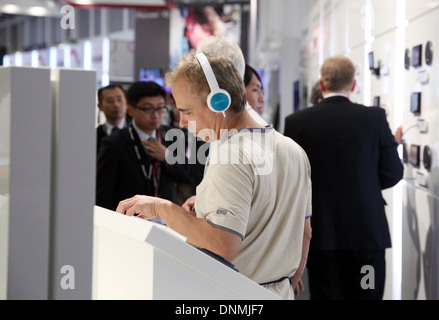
(73, 182)
(137, 259)
(25, 173)
(47, 182)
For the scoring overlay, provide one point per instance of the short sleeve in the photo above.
(225, 195)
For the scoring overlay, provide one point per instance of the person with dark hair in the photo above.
(133, 160)
(253, 89)
(112, 102)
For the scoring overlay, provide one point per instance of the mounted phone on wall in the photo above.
(407, 59)
(377, 101)
(417, 56)
(427, 158)
(415, 103)
(375, 71)
(429, 53)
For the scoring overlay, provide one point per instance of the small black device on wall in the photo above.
(429, 53)
(375, 71)
(414, 156)
(415, 103)
(377, 101)
(405, 156)
(407, 61)
(417, 56)
(427, 158)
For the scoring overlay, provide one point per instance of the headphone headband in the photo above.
(218, 99)
(208, 72)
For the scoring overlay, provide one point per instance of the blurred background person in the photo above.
(112, 102)
(254, 89)
(353, 157)
(133, 160)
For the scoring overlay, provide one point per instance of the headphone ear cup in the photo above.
(219, 100)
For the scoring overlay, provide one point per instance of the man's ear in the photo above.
(354, 85)
(130, 110)
(322, 86)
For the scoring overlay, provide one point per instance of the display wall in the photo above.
(420, 243)
(389, 29)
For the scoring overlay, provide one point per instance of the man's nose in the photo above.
(183, 121)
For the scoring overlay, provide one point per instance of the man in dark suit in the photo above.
(133, 160)
(353, 156)
(112, 102)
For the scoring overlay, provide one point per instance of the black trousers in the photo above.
(346, 275)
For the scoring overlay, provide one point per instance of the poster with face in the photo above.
(190, 26)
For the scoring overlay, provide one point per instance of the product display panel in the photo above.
(415, 103)
(414, 156)
(429, 53)
(417, 56)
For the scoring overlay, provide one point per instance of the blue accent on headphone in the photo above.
(218, 99)
(219, 102)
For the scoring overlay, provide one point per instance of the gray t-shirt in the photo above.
(257, 185)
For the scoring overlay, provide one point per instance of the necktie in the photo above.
(115, 129)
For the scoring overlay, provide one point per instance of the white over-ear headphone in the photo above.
(218, 99)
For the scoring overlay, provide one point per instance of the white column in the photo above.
(25, 117)
(73, 183)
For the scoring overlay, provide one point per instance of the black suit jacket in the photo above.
(353, 156)
(119, 172)
(101, 133)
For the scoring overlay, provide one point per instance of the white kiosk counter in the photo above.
(138, 259)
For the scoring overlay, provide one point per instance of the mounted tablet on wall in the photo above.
(415, 103)
(429, 53)
(414, 155)
(417, 56)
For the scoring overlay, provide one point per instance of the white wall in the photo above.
(323, 28)
(315, 30)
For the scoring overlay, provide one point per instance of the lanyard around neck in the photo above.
(153, 164)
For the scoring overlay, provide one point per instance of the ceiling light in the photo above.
(10, 8)
(37, 11)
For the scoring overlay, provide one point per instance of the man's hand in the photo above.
(189, 205)
(155, 149)
(144, 207)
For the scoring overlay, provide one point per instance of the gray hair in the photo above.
(227, 47)
(225, 73)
